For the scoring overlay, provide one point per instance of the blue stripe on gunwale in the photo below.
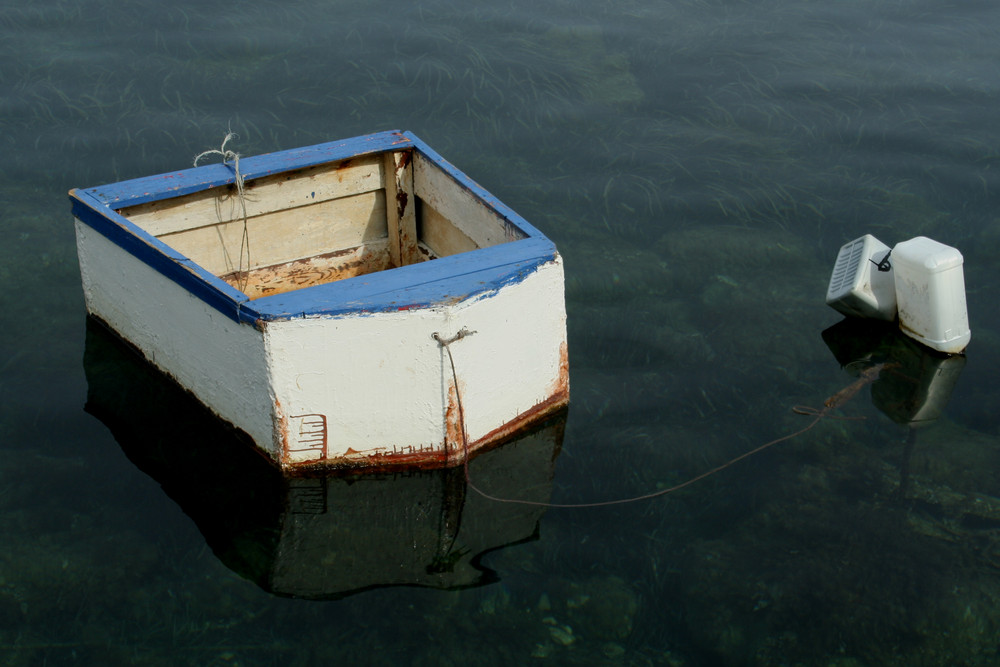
(178, 183)
(444, 280)
(191, 276)
(427, 284)
(423, 285)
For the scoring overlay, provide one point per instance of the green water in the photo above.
(698, 164)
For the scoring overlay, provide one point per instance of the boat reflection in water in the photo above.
(318, 535)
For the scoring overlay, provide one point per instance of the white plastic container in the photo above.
(858, 287)
(930, 294)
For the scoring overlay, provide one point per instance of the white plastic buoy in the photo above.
(930, 294)
(862, 283)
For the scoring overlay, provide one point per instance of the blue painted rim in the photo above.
(424, 285)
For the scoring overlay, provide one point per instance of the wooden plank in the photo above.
(318, 270)
(401, 208)
(286, 236)
(442, 237)
(265, 195)
(456, 204)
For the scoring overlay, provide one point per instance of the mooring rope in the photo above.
(229, 155)
(838, 399)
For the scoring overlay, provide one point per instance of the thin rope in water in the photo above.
(868, 376)
(243, 277)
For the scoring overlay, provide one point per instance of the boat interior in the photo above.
(325, 223)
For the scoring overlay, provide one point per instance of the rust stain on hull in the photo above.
(522, 422)
(432, 458)
(281, 431)
(453, 451)
(453, 435)
(561, 385)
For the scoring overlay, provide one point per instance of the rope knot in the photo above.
(226, 155)
(445, 342)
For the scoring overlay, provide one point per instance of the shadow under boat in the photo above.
(320, 536)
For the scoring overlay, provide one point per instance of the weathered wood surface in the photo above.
(299, 222)
(401, 205)
(285, 236)
(265, 195)
(468, 214)
(318, 270)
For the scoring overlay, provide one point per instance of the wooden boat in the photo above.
(312, 298)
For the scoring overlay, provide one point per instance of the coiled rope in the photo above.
(242, 277)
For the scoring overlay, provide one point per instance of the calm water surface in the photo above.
(698, 163)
